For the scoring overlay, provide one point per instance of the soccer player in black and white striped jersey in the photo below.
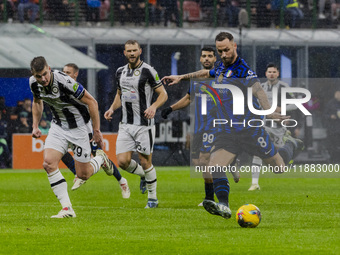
(72, 70)
(73, 111)
(136, 82)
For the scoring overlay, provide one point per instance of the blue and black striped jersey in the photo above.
(240, 75)
(204, 89)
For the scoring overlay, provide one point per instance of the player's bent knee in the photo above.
(49, 166)
(145, 165)
(123, 163)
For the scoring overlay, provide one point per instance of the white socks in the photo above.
(151, 182)
(135, 168)
(96, 162)
(59, 187)
(255, 170)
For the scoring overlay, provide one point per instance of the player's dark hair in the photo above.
(272, 65)
(210, 49)
(224, 35)
(74, 66)
(38, 64)
(132, 42)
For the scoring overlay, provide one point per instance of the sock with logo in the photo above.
(59, 187)
(151, 182)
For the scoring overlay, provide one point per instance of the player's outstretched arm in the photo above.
(174, 79)
(115, 105)
(182, 103)
(161, 99)
(37, 111)
(94, 114)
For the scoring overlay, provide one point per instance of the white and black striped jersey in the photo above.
(137, 87)
(63, 95)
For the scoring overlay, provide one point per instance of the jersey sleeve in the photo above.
(153, 78)
(71, 86)
(250, 78)
(117, 78)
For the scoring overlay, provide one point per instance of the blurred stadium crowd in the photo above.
(17, 119)
(172, 13)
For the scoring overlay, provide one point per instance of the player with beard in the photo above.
(136, 82)
(231, 140)
(203, 133)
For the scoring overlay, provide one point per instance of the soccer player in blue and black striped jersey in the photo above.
(234, 76)
(203, 133)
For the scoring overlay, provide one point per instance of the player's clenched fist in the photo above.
(108, 114)
(36, 132)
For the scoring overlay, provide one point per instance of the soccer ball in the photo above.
(248, 216)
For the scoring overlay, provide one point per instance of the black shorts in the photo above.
(254, 142)
(202, 143)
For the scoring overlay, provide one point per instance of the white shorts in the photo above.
(135, 138)
(77, 139)
(276, 135)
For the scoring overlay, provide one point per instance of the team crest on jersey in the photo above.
(55, 90)
(220, 77)
(136, 73)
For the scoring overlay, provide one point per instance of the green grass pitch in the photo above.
(299, 216)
